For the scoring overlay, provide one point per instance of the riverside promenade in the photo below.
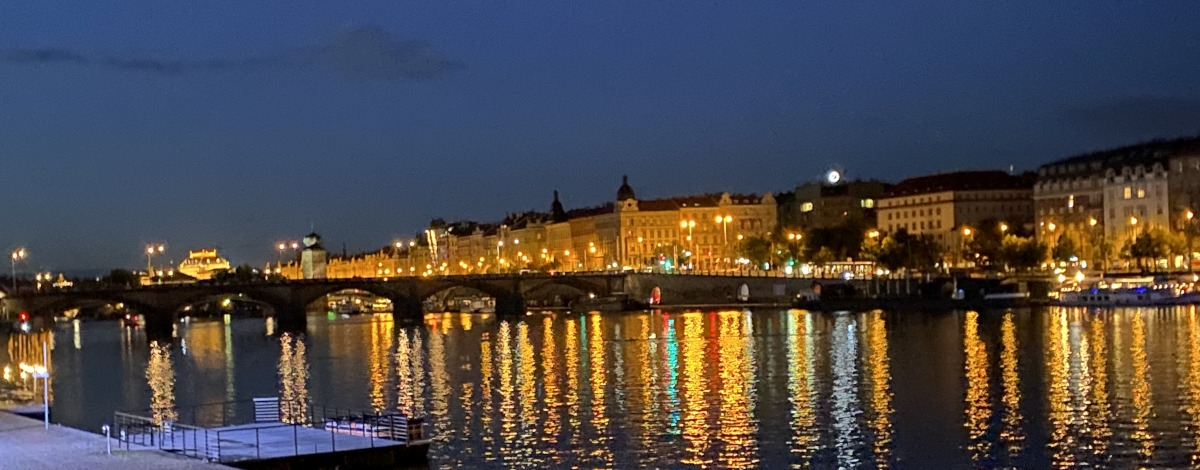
(26, 445)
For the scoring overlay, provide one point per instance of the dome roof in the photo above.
(625, 191)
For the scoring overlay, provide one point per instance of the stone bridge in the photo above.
(162, 304)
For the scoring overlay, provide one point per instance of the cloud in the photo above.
(1139, 116)
(41, 56)
(369, 54)
(364, 54)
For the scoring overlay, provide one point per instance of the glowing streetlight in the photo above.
(1003, 227)
(1051, 226)
(151, 250)
(16, 255)
(1092, 221)
(1133, 220)
(967, 231)
(871, 234)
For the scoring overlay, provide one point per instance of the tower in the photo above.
(313, 259)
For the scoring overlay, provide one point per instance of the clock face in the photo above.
(833, 177)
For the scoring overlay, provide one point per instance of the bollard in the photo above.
(107, 440)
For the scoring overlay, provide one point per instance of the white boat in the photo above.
(1119, 297)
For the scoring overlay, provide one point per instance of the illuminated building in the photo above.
(817, 205)
(312, 258)
(202, 264)
(1158, 183)
(948, 205)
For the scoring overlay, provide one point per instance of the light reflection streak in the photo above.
(1192, 397)
(978, 405)
(598, 378)
(551, 424)
(881, 391)
(736, 428)
(1057, 363)
(485, 397)
(694, 421)
(846, 408)
(527, 386)
(160, 375)
(1097, 402)
(1141, 388)
(380, 360)
(1012, 435)
(293, 379)
(802, 442)
(571, 361)
(404, 389)
(504, 371)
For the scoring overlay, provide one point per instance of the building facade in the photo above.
(943, 205)
(817, 205)
(1107, 198)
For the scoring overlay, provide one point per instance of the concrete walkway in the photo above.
(26, 445)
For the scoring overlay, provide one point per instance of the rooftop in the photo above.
(961, 181)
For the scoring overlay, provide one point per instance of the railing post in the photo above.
(257, 446)
(295, 440)
(218, 446)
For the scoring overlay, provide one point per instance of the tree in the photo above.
(902, 250)
(241, 275)
(756, 249)
(1021, 253)
(985, 241)
(843, 241)
(1065, 249)
(121, 278)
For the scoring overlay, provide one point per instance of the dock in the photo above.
(26, 444)
(300, 435)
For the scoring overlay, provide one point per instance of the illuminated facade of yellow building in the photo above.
(699, 232)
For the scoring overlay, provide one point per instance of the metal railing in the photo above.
(237, 436)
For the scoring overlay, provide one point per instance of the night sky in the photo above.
(239, 124)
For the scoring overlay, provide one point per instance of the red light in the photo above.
(24, 316)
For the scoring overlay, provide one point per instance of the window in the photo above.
(1141, 193)
(1128, 192)
(868, 203)
(939, 211)
(806, 207)
(1071, 201)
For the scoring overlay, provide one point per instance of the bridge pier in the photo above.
(290, 319)
(159, 324)
(407, 310)
(512, 304)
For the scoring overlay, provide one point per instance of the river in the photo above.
(730, 389)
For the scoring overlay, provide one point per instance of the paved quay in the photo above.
(26, 445)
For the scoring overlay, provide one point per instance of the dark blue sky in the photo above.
(235, 124)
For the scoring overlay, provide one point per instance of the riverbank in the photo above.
(25, 444)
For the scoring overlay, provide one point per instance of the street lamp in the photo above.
(16, 255)
(150, 251)
(1003, 227)
(1188, 231)
(724, 221)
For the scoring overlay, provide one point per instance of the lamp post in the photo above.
(966, 232)
(1103, 252)
(689, 224)
(1189, 215)
(16, 255)
(150, 251)
(724, 221)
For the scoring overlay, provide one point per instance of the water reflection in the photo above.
(773, 389)
(802, 442)
(845, 392)
(26, 356)
(1012, 435)
(160, 375)
(978, 404)
(293, 379)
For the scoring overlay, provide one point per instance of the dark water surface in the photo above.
(734, 389)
